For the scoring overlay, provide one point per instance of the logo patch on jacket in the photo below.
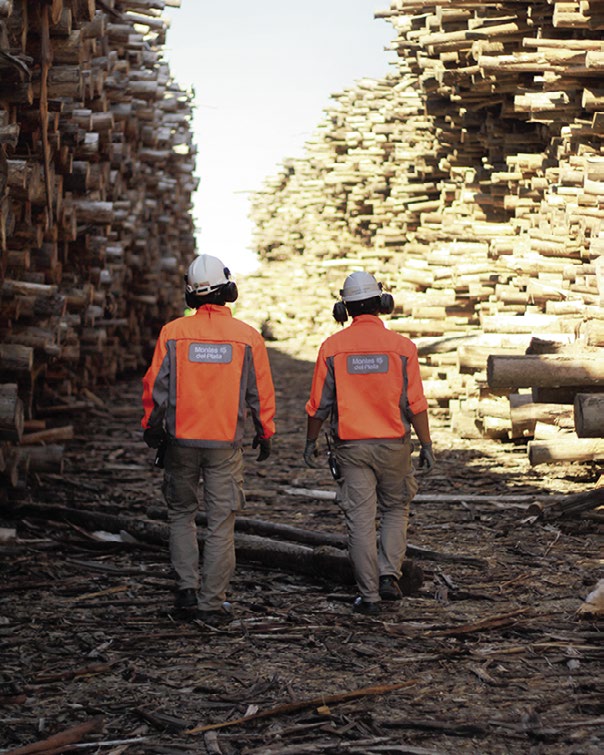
(211, 353)
(366, 364)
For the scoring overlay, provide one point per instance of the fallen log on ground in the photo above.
(520, 500)
(313, 538)
(315, 562)
(250, 548)
(571, 505)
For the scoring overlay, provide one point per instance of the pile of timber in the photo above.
(96, 179)
(471, 182)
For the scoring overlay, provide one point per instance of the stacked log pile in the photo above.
(96, 178)
(471, 181)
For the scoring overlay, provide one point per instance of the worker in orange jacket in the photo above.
(206, 370)
(367, 381)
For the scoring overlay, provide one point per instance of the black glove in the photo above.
(154, 436)
(265, 447)
(426, 457)
(311, 453)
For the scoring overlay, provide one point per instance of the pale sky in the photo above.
(262, 71)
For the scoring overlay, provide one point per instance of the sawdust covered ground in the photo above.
(489, 657)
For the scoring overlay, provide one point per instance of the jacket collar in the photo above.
(370, 319)
(214, 309)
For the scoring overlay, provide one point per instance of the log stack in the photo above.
(471, 181)
(96, 179)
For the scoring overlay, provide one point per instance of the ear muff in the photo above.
(386, 304)
(229, 291)
(191, 300)
(339, 312)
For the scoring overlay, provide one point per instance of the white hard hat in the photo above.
(358, 286)
(205, 275)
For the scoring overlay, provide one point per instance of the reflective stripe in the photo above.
(328, 394)
(160, 392)
(404, 402)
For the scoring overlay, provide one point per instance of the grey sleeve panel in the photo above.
(162, 389)
(249, 390)
(405, 410)
(328, 394)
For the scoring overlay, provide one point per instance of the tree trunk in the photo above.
(564, 450)
(571, 505)
(549, 370)
(11, 413)
(320, 561)
(589, 415)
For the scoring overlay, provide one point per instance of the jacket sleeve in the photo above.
(323, 388)
(260, 394)
(156, 385)
(415, 391)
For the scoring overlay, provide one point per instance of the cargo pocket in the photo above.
(238, 496)
(412, 486)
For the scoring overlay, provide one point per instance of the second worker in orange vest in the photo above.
(367, 381)
(206, 370)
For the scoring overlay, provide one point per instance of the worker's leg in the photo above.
(359, 506)
(223, 496)
(395, 490)
(180, 489)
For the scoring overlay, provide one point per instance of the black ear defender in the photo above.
(339, 312)
(229, 290)
(386, 304)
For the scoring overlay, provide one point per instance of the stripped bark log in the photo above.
(547, 370)
(565, 450)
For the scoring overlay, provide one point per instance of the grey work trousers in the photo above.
(378, 478)
(222, 473)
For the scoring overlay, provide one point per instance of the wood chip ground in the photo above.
(489, 657)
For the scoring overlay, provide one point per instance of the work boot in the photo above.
(389, 589)
(216, 618)
(186, 599)
(365, 607)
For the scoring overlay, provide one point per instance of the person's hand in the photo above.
(265, 447)
(311, 453)
(426, 457)
(154, 436)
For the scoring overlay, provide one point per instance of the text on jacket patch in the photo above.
(211, 353)
(363, 364)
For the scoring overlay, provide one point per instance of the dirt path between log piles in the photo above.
(490, 655)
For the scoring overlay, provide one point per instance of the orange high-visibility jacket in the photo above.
(204, 371)
(367, 378)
